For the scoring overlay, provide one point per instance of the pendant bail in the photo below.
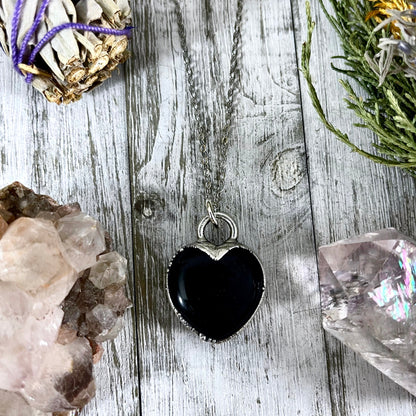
(219, 216)
(211, 214)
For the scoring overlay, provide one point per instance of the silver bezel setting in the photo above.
(216, 252)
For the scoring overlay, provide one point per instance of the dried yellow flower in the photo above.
(381, 11)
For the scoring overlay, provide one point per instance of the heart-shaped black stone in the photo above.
(215, 297)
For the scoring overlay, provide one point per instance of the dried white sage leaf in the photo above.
(73, 61)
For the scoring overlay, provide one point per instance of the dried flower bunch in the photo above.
(65, 47)
(398, 41)
(379, 41)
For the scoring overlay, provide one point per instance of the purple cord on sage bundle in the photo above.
(65, 47)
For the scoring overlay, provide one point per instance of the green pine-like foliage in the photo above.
(388, 110)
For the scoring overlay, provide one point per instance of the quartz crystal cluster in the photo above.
(62, 293)
(368, 295)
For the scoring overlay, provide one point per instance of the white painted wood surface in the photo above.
(125, 153)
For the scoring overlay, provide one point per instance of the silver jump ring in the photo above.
(211, 214)
(221, 216)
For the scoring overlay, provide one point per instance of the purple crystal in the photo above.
(368, 295)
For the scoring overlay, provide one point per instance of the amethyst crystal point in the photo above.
(62, 293)
(368, 297)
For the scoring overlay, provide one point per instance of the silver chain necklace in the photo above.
(213, 184)
(214, 289)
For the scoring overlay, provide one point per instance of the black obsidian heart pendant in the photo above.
(215, 290)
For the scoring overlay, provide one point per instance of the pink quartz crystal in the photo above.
(62, 293)
(368, 296)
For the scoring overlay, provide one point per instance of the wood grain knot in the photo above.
(288, 169)
(147, 204)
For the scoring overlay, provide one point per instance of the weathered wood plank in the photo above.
(350, 196)
(277, 365)
(281, 364)
(78, 153)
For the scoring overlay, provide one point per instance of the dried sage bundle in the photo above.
(74, 44)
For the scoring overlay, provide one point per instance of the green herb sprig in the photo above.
(388, 110)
